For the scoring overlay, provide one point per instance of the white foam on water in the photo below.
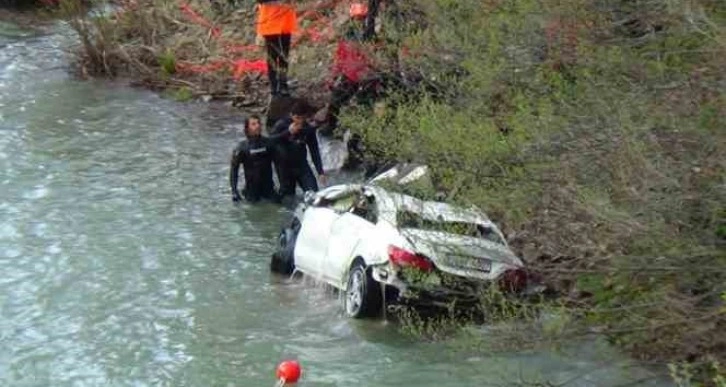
(39, 229)
(54, 248)
(37, 193)
(8, 231)
(11, 253)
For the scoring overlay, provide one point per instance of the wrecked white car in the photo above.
(374, 244)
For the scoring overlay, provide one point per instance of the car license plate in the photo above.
(471, 263)
(485, 265)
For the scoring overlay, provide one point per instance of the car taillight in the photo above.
(513, 280)
(404, 258)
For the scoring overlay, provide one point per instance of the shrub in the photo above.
(592, 131)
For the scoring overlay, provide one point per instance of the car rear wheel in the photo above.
(363, 293)
(283, 259)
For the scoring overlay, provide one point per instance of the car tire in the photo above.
(283, 259)
(363, 294)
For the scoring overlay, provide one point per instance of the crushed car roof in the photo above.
(396, 202)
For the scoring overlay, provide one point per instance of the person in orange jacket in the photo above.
(276, 22)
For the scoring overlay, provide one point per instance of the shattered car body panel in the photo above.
(393, 235)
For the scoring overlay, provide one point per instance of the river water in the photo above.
(124, 261)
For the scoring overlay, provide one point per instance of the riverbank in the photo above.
(592, 133)
(192, 50)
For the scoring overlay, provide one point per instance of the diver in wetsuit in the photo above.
(255, 153)
(292, 153)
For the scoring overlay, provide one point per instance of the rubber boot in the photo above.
(282, 87)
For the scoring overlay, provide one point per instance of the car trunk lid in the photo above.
(462, 255)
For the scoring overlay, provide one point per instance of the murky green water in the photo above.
(124, 261)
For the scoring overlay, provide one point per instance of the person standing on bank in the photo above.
(292, 153)
(276, 22)
(255, 153)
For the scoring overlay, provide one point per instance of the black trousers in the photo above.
(370, 24)
(278, 52)
(290, 178)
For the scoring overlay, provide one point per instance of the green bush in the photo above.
(593, 133)
(167, 61)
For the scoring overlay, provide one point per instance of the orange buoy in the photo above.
(289, 371)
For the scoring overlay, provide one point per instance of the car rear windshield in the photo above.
(407, 219)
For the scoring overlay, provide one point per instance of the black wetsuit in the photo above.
(291, 158)
(255, 154)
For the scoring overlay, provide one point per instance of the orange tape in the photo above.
(199, 19)
(203, 68)
(320, 30)
(240, 48)
(243, 66)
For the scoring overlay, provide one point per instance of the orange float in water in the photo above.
(289, 371)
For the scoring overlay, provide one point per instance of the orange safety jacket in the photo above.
(276, 18)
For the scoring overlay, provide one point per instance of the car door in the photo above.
(348, 231)
(312, 241)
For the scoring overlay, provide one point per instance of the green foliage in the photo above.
(435, 328)
(167, 61)
(420, 279)
(588, 130)
(686, 375)
(182, 94)
(681, 374)
(719, 378)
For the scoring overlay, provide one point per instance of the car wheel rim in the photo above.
(355, 293)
